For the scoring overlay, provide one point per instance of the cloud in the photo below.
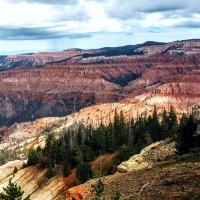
(77, 36)
(141, 15)
(161, 6)
(38, 15)
(188, 24)
(55, 2)
(66, 14)
(136, 9)
(35, 34)
(85, 20)
(97, 1)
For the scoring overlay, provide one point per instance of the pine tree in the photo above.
(165, 126)
(116, 127)
(13, 192)
(123, 130)
(50, 171)
(110, 139)
(15, 170)
(84, 172)
(66, 170)
(33, 157)
(80, 135)
(155, 126)
(117, 196)
(185, 137)
(99, 188)
(139, 134)
(98, 140)
(173, 123)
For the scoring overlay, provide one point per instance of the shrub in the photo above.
(13, 192)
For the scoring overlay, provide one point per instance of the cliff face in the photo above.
(164, 74)
(29, 93)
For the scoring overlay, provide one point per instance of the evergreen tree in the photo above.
(84, 172)
(15, 170)
(154, 126)
(164, 125)
(66, 170)
(117, 196)
(88, 154)
(98, 140)
(123, 131)
(110, 139)
(59, 151)
(80, 138)
(116, 128)
(13, 192)
(99, 188)
(139, 134)
(185, 136)
(131, 129)
(173, 123)
(50, 171)
(33, 157)
(76, 156)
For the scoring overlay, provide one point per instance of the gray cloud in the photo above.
(76, 36)
(179, 14)
(127, 9)
(98, 1)
(35, 34)
(188, 24)
(55, 2)
(161, 6)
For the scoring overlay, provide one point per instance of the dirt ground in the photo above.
(175, 179)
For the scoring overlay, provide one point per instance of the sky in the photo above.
(55, 25)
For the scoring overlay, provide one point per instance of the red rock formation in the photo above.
(60, 88)
(79, 192)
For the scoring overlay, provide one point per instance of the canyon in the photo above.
(64, 82)
(58, 90)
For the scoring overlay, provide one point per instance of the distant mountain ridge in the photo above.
(146, 48)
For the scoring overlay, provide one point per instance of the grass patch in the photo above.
(187, 158)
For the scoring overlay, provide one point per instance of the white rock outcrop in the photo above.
(151, 154)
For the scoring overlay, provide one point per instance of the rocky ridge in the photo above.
(39, 59)
(158, 151)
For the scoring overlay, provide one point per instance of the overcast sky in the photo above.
(52, 25)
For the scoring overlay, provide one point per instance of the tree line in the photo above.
(78, 146)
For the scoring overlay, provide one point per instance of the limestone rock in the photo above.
(151, 154)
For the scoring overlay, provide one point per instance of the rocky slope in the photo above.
(174, 178)
(174, 175)
(33, 179)
(158, 151)
(21, 137)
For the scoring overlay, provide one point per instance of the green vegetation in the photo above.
(117, 196)
(84, 172)
(186, 138)
(77, 147)
(13, 192)
(99, 189)
(15, 170)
